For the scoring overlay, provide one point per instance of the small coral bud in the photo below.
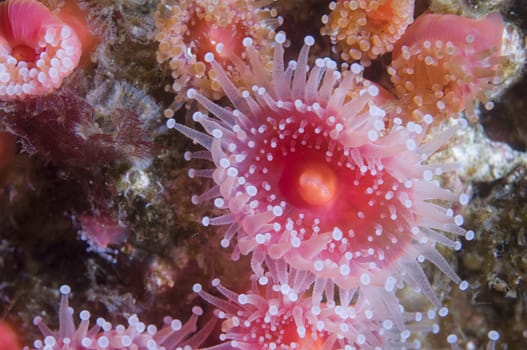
(102, 230)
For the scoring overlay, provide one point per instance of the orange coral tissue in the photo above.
(445, 62)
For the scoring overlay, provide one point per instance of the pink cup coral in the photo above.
(277, 313)
(363, 30)
(314, 178)
(443, 63)
(37, 50)
(103, 335)
(187, 30)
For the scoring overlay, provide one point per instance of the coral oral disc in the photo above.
(222, 40)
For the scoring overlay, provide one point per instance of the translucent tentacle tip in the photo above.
(280, 38)
(191, 93)
(65, 289)
(493, 335)
(309, 40)
(247, 42)
(209, 57)
(196, 310)
(196, 288)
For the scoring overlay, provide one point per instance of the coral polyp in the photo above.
(443, 63)
(37, 50)
(103, 335)
(364, 30)
(278, 313)
(187, 30)
(314, 178)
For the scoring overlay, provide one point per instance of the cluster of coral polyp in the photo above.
(323, 176)
(103, 335)
(440, 65)
(364, 30)
(444, 62)
(314, 180)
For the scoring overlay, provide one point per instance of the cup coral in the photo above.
(364, 30)
(313, 178)
(445, 62)
(37, 50)
(187, 30)
(278, 313)
(103, 335)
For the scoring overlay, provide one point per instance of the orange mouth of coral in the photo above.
(382, 15)
(317, 184)
(308, 181)
(24, 53)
